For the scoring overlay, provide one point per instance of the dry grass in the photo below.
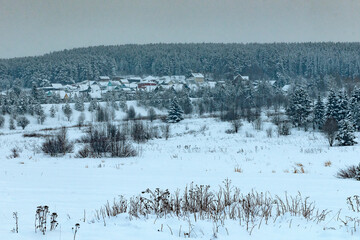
(238, 169)
(327, 164)
(198, 202)
(300, 170)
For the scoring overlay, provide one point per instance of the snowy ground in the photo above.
(198, 151)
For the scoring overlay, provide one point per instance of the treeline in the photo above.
(285, 62)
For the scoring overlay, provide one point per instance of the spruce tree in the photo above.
(299, 107)
(52, 111)
(354, 106)
(79, 104)
(346, 135)
(319, 113)
(342, 109)
(93, 105)
(331, 105)
(175, 112)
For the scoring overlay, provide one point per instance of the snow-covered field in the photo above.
(198, 151)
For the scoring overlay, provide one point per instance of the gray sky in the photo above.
(33, 27)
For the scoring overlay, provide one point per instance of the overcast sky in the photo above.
(33, 27)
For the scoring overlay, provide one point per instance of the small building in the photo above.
(197, 77)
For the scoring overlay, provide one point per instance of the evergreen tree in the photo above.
(346, 135)
(299, 107)
(175, 113)
(93, 105)
(11, 124)
(186, 104)
(52, 111)
(41, 115)
(131, 113)
(342, 110)
(79, 104)
(34, 92)
(331, 105)
(319, 113)
(355, 107)
(67, 111)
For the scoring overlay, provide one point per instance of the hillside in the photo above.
(280, 61)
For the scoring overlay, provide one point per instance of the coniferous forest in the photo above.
(284, 62)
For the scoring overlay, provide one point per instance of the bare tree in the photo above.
(330, 129)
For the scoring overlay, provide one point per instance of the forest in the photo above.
(284, 62)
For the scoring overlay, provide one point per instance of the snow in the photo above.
(198, 151)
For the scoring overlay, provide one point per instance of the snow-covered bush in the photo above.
(22, 122)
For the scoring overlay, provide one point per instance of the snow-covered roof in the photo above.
(133, 85)
(149, 78)
(104, 78)
(95, 94)
(57, 85)
(286, 88)
(150, 88)
(178, 87)
(211, 84)
(197, 75)
(95, 88)
(124, 81)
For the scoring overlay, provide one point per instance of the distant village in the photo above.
(96, 89)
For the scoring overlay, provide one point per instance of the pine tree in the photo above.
(299, 107)
(79, 104)
(354, 106)
(93, 105)
(175, 112)
(342, 110)
(331, 105)
(319, 113)
(346, 135)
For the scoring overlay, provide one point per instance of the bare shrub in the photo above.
(106, 140)
(166, 131)
(236, 124)
(269, 132)
(249, 135)
(283, 129)
(139, 132)
(350, 172)
(103, 114)
(14, 153)
(58, 144)
(258, 124)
